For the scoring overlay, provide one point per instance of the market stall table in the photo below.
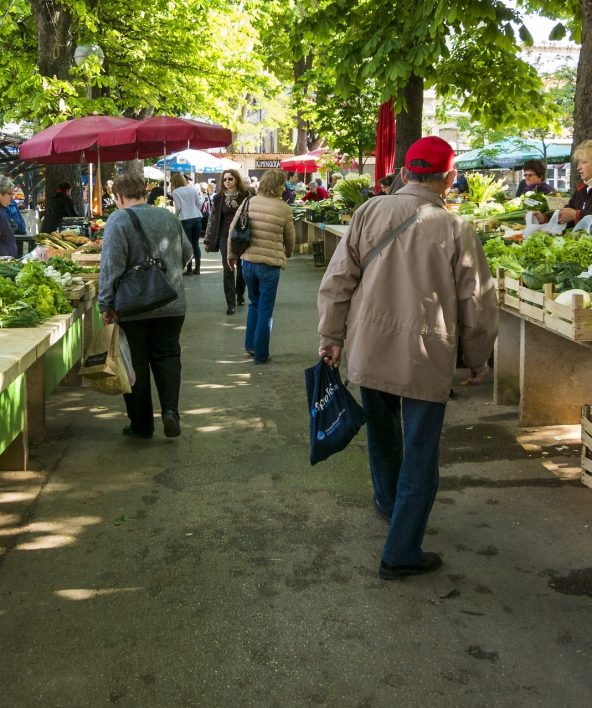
(33, 361)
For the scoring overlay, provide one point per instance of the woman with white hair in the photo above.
(7, 239)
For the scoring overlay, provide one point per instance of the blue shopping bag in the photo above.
(335, 415)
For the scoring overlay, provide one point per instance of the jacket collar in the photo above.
(416, 189)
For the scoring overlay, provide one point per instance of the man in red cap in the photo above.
(407, 280)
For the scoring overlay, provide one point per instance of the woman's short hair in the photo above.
(536, 166)
(387, 180)
(583, 151)
(177, 180)
(312, 184)
(238, 180)
(130, 186)
(6, 184)
(272, 184)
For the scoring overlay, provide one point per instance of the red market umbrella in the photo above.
(165, 134)
(70, 141)
(302, 163)
(386, 132)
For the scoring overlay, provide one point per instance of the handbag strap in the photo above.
(138, 226)
(392, 235)
(245, 206)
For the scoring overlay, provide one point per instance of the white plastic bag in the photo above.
(551, 227)
(584, 224)
(126, 356)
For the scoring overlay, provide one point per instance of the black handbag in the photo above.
(145, 285)
(241, 233)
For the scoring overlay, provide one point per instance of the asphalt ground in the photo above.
(221, 569)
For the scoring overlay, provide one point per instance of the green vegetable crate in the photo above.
(573, 321)
(586, 460)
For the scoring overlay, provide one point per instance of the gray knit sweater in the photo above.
(123, 247)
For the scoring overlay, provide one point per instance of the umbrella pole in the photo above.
(165, 176)
(100, 190)
(90, 190)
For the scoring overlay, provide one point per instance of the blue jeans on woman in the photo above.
(262, 284)
(192, 228)
(404, 467)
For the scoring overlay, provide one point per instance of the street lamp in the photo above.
(81, 54)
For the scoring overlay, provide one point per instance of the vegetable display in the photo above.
(30, 296)
(542, 258)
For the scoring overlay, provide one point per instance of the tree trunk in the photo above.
(55, 54)
(134, 167)
(301, 147)
(409, 120)
(583, 99)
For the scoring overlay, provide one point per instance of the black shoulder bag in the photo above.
(144, 286)
(241, 233)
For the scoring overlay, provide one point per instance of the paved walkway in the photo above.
(220, 569)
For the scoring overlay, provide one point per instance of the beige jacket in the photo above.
(272, 232)
(424, 290)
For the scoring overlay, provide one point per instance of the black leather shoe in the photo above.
(383, 515)
(429, 563)
(264, 361)
(231, 311)
(240, 300)
(170, 420)
(132, 433)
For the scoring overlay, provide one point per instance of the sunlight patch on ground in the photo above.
(209, 429)
(8, 519)
(199, 411)
(213, 386)
(88, 594)
(536, 438)
(241, 376)
(42, 543)
(12, 497)
(19, 476)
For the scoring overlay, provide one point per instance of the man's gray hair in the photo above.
(6, 184)
(423, 177)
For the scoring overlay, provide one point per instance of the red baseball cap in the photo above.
(434, 150)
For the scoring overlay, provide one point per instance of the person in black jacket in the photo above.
(580, 204)
(224, 206)
(57, 207)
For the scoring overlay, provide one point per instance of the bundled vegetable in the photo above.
(483, 188)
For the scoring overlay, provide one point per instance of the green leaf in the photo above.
(525, 36)
(558, 32)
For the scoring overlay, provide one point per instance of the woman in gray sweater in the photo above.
(153, 336)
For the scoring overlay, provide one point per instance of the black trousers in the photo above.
(233, 289)
(154, 344)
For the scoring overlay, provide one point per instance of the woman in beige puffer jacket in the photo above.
(272, 242)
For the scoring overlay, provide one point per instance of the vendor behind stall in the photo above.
(534, 178)
(7, 240)
(58, 206)
(580, 204)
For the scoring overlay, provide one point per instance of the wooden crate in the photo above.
(60, 252)
(532, 303)
(86, 258)
(586, 460)
(511, 289)
(90, 277)
(573, 321)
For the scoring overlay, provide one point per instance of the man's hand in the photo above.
(476, 378)
(109, 317)
(566, 215)
(331, 355)
(539, 216)
(231, 260)
(207, 246)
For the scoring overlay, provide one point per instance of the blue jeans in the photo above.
(192, 228)
(262, 284)
(404, 467)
